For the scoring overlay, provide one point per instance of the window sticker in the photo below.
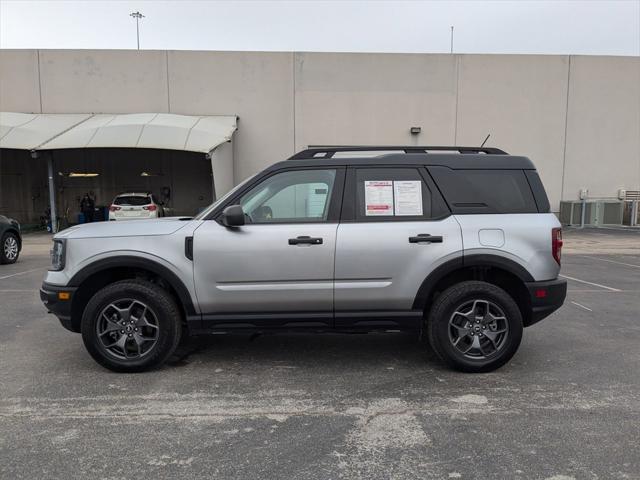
(378, 197)
(408, 197)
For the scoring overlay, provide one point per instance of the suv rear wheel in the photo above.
(9, 248)
(474, 326)
(131, 326)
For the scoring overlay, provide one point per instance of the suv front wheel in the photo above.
(131, 326)
(474, 326)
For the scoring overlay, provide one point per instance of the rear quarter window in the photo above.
(485, 191)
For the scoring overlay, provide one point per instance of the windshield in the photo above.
(133, 200)
(211, 207)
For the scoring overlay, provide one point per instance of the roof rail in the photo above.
(319, 151)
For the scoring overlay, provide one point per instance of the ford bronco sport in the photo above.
(454, 243)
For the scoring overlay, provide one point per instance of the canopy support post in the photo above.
(222, 168)
(52, 194)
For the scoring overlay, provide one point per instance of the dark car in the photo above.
(10, 240)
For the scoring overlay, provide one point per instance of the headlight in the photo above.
(57, 255)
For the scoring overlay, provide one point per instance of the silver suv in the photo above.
(456, 244)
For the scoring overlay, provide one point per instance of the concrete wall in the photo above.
(577, 117)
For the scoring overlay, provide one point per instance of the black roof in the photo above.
(465, 158)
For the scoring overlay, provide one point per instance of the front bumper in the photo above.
(58, 304)
(546, 297)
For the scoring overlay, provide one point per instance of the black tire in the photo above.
(5, 257)
(162, 311)
(446, 326)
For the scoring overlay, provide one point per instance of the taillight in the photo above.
(556, 244)
(151, 208)
(114, 208)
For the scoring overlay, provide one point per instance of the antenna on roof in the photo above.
(485, 140)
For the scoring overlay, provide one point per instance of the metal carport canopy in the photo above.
(134, 130)
(53, 131)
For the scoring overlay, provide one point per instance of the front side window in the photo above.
(293, 196)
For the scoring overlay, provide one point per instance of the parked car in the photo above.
(459, 248)
(135, 206)
(10, 240)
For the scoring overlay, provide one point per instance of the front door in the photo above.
(276, 270)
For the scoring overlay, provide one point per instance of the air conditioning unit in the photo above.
(631, 213)
(597, 212)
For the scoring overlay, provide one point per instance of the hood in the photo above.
(125, 228)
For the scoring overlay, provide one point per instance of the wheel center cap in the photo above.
(128, 328)
(476, 328)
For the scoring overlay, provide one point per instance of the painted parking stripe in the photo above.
(614, 261)
(582, 306)
(611, 289)
(21, 273)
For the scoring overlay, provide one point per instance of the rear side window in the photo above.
(132, 200)
(485, 191)
(388, 194)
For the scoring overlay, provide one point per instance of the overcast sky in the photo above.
(609, 27)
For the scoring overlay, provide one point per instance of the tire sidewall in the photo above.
(450, 301)
(3, 258)
(162, 305)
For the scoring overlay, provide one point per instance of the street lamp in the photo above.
(137, 16)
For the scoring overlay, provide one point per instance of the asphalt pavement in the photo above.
(375, 406)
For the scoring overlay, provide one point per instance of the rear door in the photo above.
(395, 229)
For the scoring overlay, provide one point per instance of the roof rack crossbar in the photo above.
(321, 151)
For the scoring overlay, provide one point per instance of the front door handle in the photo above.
(305, 239)
(425, 238)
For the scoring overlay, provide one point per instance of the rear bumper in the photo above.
(546, 297)
(50, 296)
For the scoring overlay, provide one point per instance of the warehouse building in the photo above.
(187, 125)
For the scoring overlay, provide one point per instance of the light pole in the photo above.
(451, 39)
(137, 16)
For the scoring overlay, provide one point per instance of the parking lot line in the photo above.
(21, 273)
(592, 290)
(611, 289)
(614, 261)
(582, 306)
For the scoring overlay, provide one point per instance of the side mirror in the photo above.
(233, 216)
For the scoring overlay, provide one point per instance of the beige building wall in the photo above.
(361, 99)
(577, 117)
(257, 87)
(603, 126)
(79, 81)
(521, 101)
(19, 81)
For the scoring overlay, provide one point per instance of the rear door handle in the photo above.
(305, 239)
(425, 238)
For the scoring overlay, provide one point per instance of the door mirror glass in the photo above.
(233, 216)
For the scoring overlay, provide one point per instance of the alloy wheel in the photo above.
(10, 248)
(478, 329)
(127, 329)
